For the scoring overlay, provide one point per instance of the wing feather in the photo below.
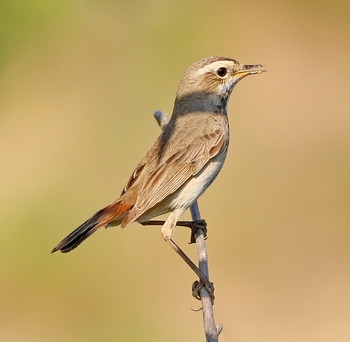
(178, 155)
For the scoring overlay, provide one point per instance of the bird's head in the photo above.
(216, 76)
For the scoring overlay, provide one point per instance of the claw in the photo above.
(195, 226)
(197, 310)
(198, 285)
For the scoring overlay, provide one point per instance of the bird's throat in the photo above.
(201, 102)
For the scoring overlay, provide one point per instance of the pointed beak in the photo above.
(246, 70)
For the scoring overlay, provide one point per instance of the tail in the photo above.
(100, 219)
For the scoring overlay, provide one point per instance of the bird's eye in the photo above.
(222, 72)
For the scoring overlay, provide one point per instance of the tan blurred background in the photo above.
(79, 81)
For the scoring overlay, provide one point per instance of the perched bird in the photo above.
(185, 159)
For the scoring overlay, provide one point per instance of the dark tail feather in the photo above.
(76, 237)
(100, 219)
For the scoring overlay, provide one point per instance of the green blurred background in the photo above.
(79, 81)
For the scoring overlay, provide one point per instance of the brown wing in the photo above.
(177, 155)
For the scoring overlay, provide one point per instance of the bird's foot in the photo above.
(198, 285)
(195, 226)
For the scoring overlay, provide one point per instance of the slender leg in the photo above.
(194, 225)
(187, 260)
(167, 232)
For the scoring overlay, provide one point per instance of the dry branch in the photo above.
(212, 331)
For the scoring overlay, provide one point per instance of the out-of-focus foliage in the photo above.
(79, 81)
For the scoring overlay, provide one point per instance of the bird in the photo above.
(184, 160)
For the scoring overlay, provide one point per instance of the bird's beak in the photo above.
(246, 70)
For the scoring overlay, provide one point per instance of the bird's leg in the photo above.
(188, 261)
(167, 232)
(194, 225)
(152, 223)
(203, 280)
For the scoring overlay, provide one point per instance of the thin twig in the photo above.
(212, 331)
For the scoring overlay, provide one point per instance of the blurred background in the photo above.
(79, 81)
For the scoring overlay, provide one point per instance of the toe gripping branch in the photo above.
(198, 285)
(195, 226)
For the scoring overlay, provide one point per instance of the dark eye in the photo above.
(222, 72)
